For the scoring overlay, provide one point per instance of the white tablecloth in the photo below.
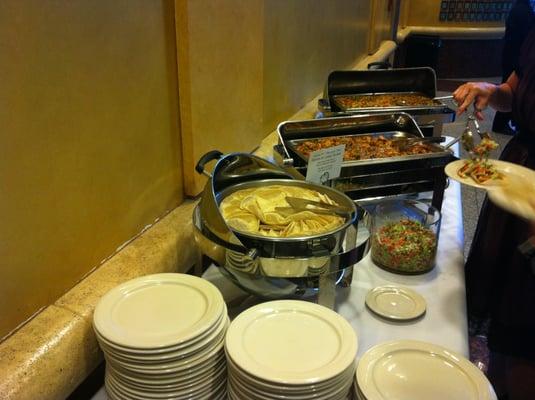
(443, 288)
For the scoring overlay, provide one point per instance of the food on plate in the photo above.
(405, 245)
(254, 211)
(484, 148)
(385, 100)
(479, 168)
(481, 171)
(363, 147)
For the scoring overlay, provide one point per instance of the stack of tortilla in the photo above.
(254, 211)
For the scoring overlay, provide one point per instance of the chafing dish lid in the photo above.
(422, 80)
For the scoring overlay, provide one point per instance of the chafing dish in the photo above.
(399, 81)
(371, 178)
(275, 267)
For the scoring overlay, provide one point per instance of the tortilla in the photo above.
(253, 211)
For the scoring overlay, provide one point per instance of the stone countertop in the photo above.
(55, 351)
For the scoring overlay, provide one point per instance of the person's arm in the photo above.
(483, 94)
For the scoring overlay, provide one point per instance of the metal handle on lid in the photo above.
(205, 159)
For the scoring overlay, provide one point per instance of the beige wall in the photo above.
(89, 145)
(380, 23)
(426, 13)
(245, 65)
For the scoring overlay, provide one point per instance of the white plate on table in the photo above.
(396, 303)
(291, 342)
(408, 369)
(158, 311)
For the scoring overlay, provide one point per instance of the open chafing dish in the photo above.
(344, 90)
(369, 178)
(275, 267)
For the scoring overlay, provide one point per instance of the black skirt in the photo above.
(500, 283)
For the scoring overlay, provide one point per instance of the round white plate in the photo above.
(198, 388)
(502, 166)
(395, 302)
(291, 342)
(174, 379)
(150, 386)
(187, 364)
(516, 195)
(157, 311)
(166, 352)
(214, 338)
(415, 370)
(290, 390)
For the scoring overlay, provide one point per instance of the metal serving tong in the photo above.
(403, 143)
(298, 204)
(467, 137)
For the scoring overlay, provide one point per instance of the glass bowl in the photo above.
(405, 236)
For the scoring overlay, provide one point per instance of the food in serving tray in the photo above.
(363, 147)
(385, 100)
(254, 211)
(479, 168)
(405, 245)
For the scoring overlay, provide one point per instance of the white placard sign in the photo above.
(325, 164)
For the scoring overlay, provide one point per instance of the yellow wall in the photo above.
(380, 24)
(426, 13)
(89, 141)
(245, 65)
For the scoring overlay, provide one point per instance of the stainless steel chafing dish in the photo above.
(392, 81)
(370, 178)
(275, 267)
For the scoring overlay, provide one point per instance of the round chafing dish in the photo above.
(273, 267)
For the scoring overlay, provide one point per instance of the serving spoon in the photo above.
(467, 137)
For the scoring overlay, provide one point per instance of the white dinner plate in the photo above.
(291, 342)
(198, 359)
(395, 302)
(187, 382)
(166, 352)
(340, 391)
(517, 194)
(162, 358)
(178, 359)
(415, 370)
(208, 393)
(198, 388)
(157, 311)
(502, 166)
(290, 390)
(174, 379)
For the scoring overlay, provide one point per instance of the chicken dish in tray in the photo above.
(347, 102)
(363, 147)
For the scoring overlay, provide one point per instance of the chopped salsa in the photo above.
(406, 246)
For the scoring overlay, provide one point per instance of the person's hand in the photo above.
(478, 93)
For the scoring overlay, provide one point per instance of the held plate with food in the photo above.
(478, 171)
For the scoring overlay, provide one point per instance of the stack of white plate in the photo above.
(408, 369)
(290, 350)
(163, 338)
